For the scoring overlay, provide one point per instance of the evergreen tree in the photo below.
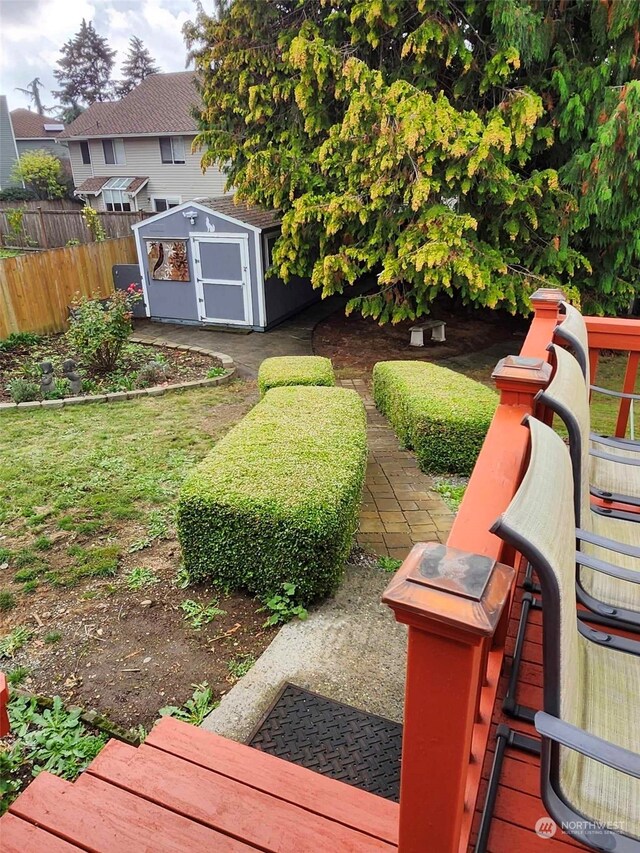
(450, 146)
(138, 65)
(33, 91)
(85, 69)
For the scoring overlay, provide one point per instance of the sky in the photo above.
(33, 31)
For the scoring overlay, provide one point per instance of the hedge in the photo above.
(442, 415)
(277, 499)
(295, 370)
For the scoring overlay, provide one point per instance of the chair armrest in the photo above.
(610, 393)
(626, 444)
(611, 457)
(600, 750)
(605, 568)
(609, 544)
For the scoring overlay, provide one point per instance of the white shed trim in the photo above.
(262, 311)
(143, 275)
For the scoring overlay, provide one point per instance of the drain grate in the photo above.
(334, 739)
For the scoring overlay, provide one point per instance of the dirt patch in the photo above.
(355, 344)
(127, 653)
(174, 366)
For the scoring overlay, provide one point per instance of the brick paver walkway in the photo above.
(399, 506)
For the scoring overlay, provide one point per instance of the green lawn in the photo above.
(107, 472)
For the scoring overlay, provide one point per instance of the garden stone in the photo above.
(156, 391)
(74, 379)
(4, 406)
(140, 392)
(35, 404)
(114, 396)
(53, 404)
(47, 380)
(74, 401)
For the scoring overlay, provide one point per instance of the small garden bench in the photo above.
(437, 328)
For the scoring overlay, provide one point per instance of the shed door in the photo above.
(222, 276)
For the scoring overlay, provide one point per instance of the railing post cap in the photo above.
(515, 372)
(453, 588)
(549, 297)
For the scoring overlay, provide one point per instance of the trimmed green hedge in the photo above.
(295, 370)
(442, 415)
(277, 499)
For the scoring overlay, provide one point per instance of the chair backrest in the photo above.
(539, 523)
(573, 332)
(568, 397)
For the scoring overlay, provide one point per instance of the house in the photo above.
(8, 149)
(135, 153)
(34, 131)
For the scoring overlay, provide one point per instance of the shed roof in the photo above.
(162, 103)
(252, 214)
(30, 125)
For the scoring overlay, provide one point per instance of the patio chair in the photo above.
(603, 534)
(590, 768)
(608, 482)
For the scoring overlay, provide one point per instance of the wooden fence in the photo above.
(45, 228)
(36, 289)
(50, 204)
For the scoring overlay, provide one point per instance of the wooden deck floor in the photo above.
(518, 804)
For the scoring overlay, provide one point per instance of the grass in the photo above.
(10, 253)
(85, 470)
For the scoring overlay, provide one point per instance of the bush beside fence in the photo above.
(285, 370)
(277, 499)
(36, 289)
(442, 415)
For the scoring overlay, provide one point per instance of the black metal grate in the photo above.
(334, 739)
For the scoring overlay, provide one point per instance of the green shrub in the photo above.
(443, 416)
(295, 370)
(276, 501)
(99, 328)
(22, 390)
(18, 339)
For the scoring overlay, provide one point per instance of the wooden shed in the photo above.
(204, 262)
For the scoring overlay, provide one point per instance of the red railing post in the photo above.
(452, 601)
(546, 303)
(4, 701)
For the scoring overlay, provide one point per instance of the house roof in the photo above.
(30, 125)
(160, 104)
(249, 213)
(93, 186)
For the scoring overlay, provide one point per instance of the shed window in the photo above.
(113, 150)
(270, 242)
(172, 149)
(86, 154)
(114, 196)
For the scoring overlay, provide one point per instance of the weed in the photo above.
(86, 528)
(215, 371)
(7, 599)
(17, 675)
(240, 665)
(10, 762)
(14, 641)
(23, 391)
(19, 339)
(98, 562)
(25, 557)
(157, 528)
(66, 523)
(5, 555)
(388, 564)
(182, 580)
(52, 637)
(195, 709)
(198, 615)
(141, 577)
(283, 607)
(31, 586)
(451, 492)
(43, 543)
(26, 575)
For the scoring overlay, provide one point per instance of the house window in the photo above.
(172, 149)
(113, 150)
(86, 154)
(160, 204)
(114, 196)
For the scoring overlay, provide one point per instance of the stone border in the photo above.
(153, 391)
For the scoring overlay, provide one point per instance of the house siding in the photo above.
(56, 148)
(142, 155)
(8, 153)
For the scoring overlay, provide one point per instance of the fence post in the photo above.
(546, 303)
(43, 228)
(452, 602)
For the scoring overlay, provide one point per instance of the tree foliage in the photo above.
(138, 65)
(33, 91)
(471, 148)
(41, 173)
(84, 72)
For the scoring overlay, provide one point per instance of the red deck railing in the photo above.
(456, 653)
